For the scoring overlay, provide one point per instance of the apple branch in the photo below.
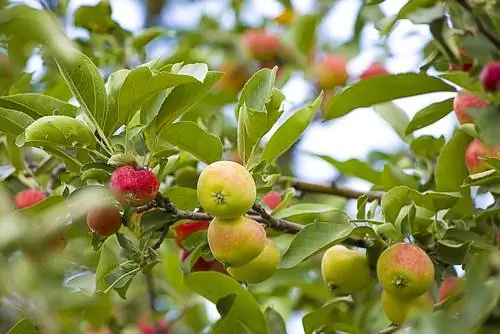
(480, 25)
(333, 190)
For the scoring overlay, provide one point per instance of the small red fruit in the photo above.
(490, 76)
(331, 71)
(464, 101)
(272, 199)
(450, 287)
(261, 44)
(374, 70)
(29, 197)
(134, 187)
(184, 230)
(477, 150)
(104, 221)
(144, 327)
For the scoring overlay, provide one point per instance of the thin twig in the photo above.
(275, 223)
(334, 190)
(388, 330)
(480, 25)
(152, 297)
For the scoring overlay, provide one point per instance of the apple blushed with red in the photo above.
(29, 197)
(134, 187)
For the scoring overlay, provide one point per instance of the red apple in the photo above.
(261, 44)
(272, 199)
(145, 327)
(184, 230)
(331, 71)
(451, 286)
(374, 70)
(464, 101)
(29, 197)
(134, 187)
(490, 76)
(477, 150)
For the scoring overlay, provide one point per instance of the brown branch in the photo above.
(480, 25)
(334, 190)
(275, 223)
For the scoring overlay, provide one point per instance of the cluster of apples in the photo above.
(227, 191)
(477, 149)
(405, 272)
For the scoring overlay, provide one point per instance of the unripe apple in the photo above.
(374, 70)
(104, 221)
(477, 150)
(134, 187)
(331, 71)
(29, 197)
(236, 241)
(490, 76)
(261, 44)
(260, 268)
(464, 101)
(450, 287)
(405, 271)
(234, 78)
(184, 230)
(397, 310)
(345, 270)
(226, 189)
(272, 199)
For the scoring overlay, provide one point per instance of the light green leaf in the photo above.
(395, 116)
(275, 322)
(427, 146)
(113, 86)
(488, 123)
(86, 84)
(189, 137)
(290, 131)
(107, 262)
(13, 122)
(183, 198)
(147, 35)
(258, 90)
(393, 176)
(304, 33)
(430, 114)
(451, 171)
(375, 90)
(183, 97)
(305, 209)
(37, 105)
(392, 202)
(244, 311)
(316, 237)
(354, 167)
(335, 312)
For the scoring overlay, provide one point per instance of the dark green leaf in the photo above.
(375, 90)
(488, 122)
(335, 311)
(24, 326)
(453, 252)
(275, 322)
(430, 114)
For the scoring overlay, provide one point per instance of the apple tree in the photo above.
(158, 194)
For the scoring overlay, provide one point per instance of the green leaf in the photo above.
(354, 167)
(13, 122)
(113, 86)
(142, 83)
(107, 262)
(182, 98)
(316, 237)
(395, 116)
(24, 326)
(305, 209)
(375, 90)
(37, 105)
(244, 311)
(427, 146)
(275, 321)
(95, 18)
(290, 131)
(392, 202)
(86, 84)
(451, 171)
(464, 80)
(188, 136)
(435, 201)
(452, 252)
(147, 35)
(59, 130)
(393, 176)
(336, 311)
(183, 198)
(304, 33)
(258, 90)
(430, 114)
(488, 122)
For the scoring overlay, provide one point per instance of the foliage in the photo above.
(102, 101)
